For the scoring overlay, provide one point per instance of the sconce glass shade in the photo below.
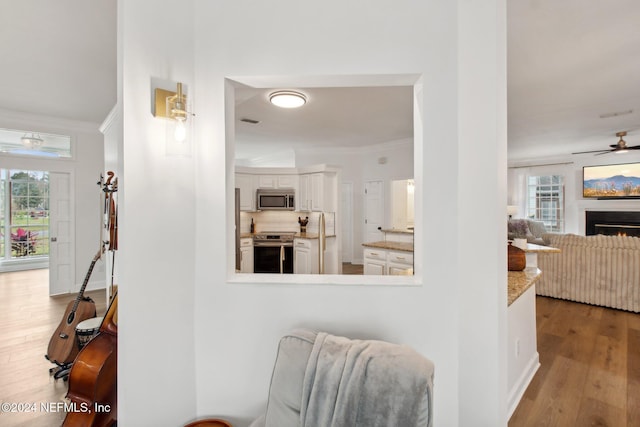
(287, 99)
(180, 131)
(175, 108)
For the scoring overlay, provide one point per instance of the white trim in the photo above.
(518, 389)
(414, 80)
(47, 122)
(113, 115)
(24, 264)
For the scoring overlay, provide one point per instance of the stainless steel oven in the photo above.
(273, 253)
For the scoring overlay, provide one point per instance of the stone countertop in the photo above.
(297, 235)
(397, 230)
(532, 247)
(519, 281)
(309, 235)
(395, 246)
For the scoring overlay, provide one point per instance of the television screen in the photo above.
(611, 181)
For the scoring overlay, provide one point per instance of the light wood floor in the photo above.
(589, 374)
(348, 268)
(28, 317)
(590, 368)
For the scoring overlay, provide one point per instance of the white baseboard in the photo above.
(518, 389)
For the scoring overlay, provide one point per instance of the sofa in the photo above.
(323, 380)
(599, 270)
(533, 230)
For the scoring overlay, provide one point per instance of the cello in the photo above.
(93, 377)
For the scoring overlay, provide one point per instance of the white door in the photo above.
(347, 221)
(62, 242)
(373, 210)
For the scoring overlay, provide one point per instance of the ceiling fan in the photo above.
(620, 147)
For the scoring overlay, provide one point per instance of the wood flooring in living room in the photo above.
(590, 368)
(28, 318)
(589, 374)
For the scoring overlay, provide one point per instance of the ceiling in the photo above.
(568, 66)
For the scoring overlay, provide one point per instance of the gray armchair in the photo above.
(322, 380)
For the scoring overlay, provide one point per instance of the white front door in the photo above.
(62, 242)
(373, 210)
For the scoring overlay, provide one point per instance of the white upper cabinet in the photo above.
(247, 185)
(317, 192)
(277, 181)
(303, 198)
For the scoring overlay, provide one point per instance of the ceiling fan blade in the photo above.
(604, 152)
(594, 151)
(634, 147)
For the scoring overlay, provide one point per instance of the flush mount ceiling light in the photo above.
(287, 99)
(32, 140)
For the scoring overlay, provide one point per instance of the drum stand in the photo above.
(83, 336)
(61, 370)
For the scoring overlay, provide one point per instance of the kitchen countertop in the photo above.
(397, 230)
(519, 281)
(532, 247)
(309, 235)
(388, 244)
(296, 235)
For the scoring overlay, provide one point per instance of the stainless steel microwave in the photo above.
(272, 199)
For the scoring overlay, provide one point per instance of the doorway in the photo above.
(373, 210)
(36, 224)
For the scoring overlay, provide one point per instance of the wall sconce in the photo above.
(173, 106)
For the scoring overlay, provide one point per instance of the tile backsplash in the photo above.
(266, 221)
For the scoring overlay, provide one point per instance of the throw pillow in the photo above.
(519, 228)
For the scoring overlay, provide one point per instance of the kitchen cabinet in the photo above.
(375, 262)
(305, 256)
(385, 262)
(277, 181)
(247, 185)
(304, 196)
(399, 263)
(246, 251)
(316, 192)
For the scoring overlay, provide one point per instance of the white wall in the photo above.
(176, 306)
(156, 376)
(571, 168)
(85, 167)
(457, 317)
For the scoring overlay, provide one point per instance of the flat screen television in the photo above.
(620, 181)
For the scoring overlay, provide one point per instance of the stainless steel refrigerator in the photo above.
(237, 214)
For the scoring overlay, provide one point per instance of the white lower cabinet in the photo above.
(375, 261)
(305, 252)
(399, 263)
(386, 262)
(246, 251)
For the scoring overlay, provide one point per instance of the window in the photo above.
(33, 144)
(24, 218)
(545, 200)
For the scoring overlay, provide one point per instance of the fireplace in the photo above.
(616, 223)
